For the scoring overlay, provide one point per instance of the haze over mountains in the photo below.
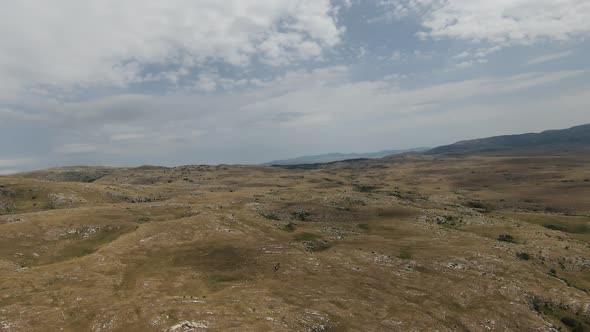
(575, 136)
(332, 157)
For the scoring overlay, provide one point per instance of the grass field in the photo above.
(407, 243)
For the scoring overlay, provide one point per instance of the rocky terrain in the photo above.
(404, 243)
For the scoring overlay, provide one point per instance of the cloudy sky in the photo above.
(131, 82)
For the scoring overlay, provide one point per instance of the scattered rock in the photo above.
(142, 199)
(441, 220)
(188, 326)
(456, 266)
(578, 264)
(337, 230)
(5, 325)
(313, 246)
(64, 201)
(82, 232)
(320, 328)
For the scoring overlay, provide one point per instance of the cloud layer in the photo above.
(72, 43)
(498, 21)
(207, 81)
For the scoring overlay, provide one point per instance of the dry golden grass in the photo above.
(399, 244)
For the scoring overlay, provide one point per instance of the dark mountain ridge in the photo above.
(578, 135)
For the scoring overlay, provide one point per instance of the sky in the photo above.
(133, 82)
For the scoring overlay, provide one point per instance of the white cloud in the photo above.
(471, 63)
(362, 52)
(8, 114)
(549, 57)
(347, 4)
(229, 74)
(499, 21)
(317, 96)
(4, 163)
(301, 106)
(12, 166)
(207, 82)
(77, 148)
(69, 43)
(481, 52)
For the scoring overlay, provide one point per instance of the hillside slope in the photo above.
(579, 135)
(405, 243)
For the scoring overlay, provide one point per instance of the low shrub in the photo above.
(270, 216)
(290, 227)
(506, 238)
(555, 227)
(302, 215)
(476, 205)
(364, 188)
(573, 324)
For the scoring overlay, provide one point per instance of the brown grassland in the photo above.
(406, 243)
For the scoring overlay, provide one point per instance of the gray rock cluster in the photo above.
(313, 246)
(143, 199)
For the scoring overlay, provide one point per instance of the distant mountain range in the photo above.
(332, 157)
(575, 136)
(572, 137)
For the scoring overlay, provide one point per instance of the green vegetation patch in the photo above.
(407, 195)
(577, 226)
(363, 226)
(555, 227)
(223, 278)
(568, 224)
(217, 282)
(404, 254)
(478, 205)
(306, 237)
(365, 188)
